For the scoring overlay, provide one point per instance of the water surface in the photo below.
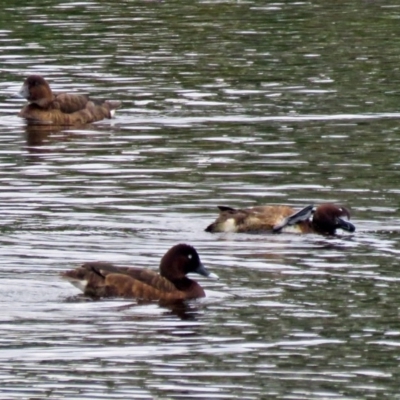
(234, 103)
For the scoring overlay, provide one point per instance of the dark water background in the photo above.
(224, 102)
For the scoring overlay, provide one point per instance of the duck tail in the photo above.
(112, 105)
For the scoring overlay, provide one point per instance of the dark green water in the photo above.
(228, 102)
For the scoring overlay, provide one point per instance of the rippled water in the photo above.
(231, 102)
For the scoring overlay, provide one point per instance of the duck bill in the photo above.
(303, 215)
(24, 92)
(202, 270)
(345, 225)
(75, 280)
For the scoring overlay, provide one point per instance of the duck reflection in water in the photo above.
(39, 137)
(44, 139)
(179, 308)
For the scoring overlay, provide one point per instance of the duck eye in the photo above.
(190, 256)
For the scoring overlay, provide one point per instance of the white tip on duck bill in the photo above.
(213, 276)
(80, 284)
(24, 92)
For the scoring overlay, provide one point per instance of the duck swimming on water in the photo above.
(324, 220)
(102, 279)
(64, 109)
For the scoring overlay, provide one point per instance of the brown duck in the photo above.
(324, 220)
(102, 279)
(63, 109)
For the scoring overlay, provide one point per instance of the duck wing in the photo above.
(145, 276)
(303, 215)
(100, 279)
(70, 103)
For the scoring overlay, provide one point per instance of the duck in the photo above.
(103, 279)
(324, 219)
(62, 109)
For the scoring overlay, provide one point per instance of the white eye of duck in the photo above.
(189, 256)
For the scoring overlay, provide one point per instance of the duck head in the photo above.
(37, 91)
(328, 217)
(180, 260)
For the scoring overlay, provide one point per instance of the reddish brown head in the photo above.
(327, 218)
(37, 91)
(180, 260)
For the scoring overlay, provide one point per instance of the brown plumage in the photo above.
(63, 109)
(325, 219)
(100, 279)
